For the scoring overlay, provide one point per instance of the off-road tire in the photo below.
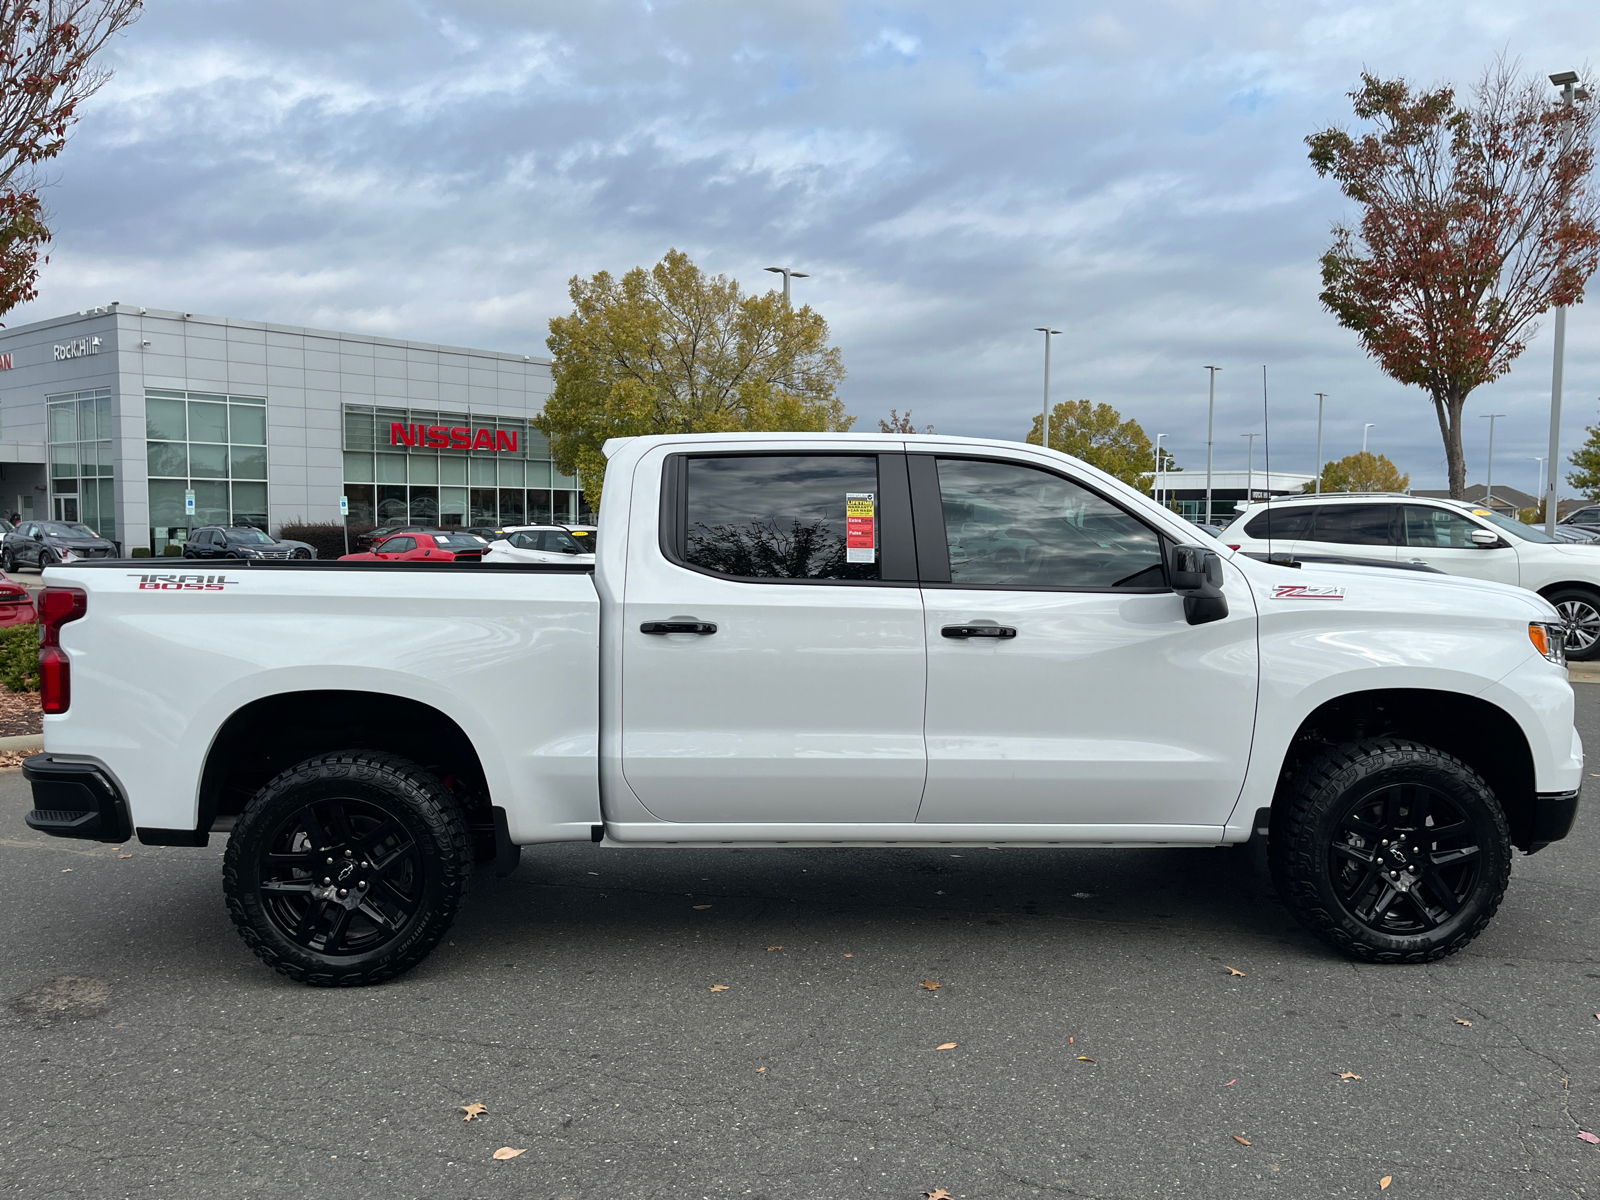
(437, 865)
(1309, 847)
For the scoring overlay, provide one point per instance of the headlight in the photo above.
(1549, 638)
(69, 556)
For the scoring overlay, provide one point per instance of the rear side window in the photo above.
(1354, 524)
(783, 516)
(1290, 522)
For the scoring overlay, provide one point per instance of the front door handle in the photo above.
(677, 627)
(978, 631)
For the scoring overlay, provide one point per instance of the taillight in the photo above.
(57, 606)
(1231, 546)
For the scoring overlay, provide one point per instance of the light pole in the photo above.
(1488, 486)
(1541, 462)
(1211, 417)
(1044, 424)
(1321, 396)
(787, 275)
(1567, 82)
(1159, 436)
(1250, 470)
(1364, 429)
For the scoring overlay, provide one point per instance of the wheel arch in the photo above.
(274, 732)
(1482, 735)
(1575, 584)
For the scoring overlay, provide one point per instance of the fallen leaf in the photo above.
(931, 985)
(1240, 1140)
(948, 1046)
(1085, 1058)
(66, 870)
(759, 1070)
(772, 948)
(699, 906)
(473, 1110)
(936, 1194)
(719, 987)
(1383, 1184)
(1590, 1138)
(124, 856)
(594, 872)
(1459, 1021)
(1347, 1075)
(849, 955)
(1231, 971)
(506, 1152)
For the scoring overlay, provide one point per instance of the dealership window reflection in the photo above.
(214, 445)
(80, 433)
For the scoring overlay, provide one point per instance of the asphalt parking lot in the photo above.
(704, 1025)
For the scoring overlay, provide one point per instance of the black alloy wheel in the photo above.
(1580, 613)
(300, 552)
(347, 869)
(8, 560)
(1390, 851)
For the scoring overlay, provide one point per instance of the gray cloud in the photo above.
(951, 175)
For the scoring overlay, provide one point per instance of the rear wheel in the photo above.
(1580, 613)
(1391, 851)
(347, 869)
(8, 561)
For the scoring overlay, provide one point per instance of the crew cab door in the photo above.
(773, 665)
(1065, 685)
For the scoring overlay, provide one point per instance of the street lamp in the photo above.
(1159, 436)
(787, 275)
(1541, 462)
(1250, 470)
(1364, 429)
(1211, 414)
(1044, 425)
(1488, 486)
(1321, 396)
(1567, 82)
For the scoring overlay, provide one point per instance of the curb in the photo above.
(26, 741)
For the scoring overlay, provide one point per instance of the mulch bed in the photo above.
(20, 713)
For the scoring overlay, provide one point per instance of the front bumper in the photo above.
(1553, 815)
(75, 800)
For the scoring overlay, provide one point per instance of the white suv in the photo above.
(1447, 535)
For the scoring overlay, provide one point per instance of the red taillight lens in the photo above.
(57, 606)
(1231, 546)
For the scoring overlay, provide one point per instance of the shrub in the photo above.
(19, 658)
(139, 552)
(172, 550)
(325, 537)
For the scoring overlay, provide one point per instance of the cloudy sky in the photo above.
(950, 174)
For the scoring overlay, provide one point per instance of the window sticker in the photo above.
(860, 539)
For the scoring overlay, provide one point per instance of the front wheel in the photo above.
(347, 869)
(1390, 851)
(8, 561)
(1580, 613)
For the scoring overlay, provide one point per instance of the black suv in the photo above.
(240, 541)
(45, 543)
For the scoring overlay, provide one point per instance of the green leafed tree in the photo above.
(1098, 434)
(1361, 472)
(673, 350)
(1585, 473)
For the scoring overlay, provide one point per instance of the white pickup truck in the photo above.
(820, 640)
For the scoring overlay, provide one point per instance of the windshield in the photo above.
(248, 537)
(1528, 533)
(66, 529)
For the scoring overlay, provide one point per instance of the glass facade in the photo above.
(80, 436)
(213, 445)
(421, 474)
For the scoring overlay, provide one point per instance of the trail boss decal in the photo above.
(183, 583)
(1307, 591)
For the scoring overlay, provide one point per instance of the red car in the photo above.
(16, 604)
(436, 546)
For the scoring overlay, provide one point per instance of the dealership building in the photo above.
(145, 424)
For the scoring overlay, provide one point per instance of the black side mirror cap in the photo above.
(1195, 573)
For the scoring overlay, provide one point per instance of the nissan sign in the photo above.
(452, 437)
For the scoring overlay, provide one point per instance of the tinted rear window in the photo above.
(1291, 522)
(1354, 524)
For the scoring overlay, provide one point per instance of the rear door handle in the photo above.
(677, 627)
(978, 631)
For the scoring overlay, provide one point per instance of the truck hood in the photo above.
(1382, 588)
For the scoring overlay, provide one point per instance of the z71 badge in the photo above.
(183, 583)
(1307, 591)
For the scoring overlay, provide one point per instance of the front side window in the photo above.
(399, 545)
(783, 516)
(1437, 528)
(1355, 524)
(1009, 525)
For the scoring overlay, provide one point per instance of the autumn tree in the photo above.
(1474, 220)
(1362, 472)
(673, 350)
(896, 423)
(1585, 475)
(1098, 434)
(47, 71)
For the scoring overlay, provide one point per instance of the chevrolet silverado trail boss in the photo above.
(810, 640)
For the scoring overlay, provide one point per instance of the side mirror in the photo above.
(1485, 538)
(1195, 573)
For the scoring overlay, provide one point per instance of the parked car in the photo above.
(1588, 515)
(42, 544)
(588, 536)
(16, 604)
(536, 544)
(364, 540)
(241, 541)
(485, 533)
(1453, 536)
(1582, 534)
(434, 546)
(777, 648)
